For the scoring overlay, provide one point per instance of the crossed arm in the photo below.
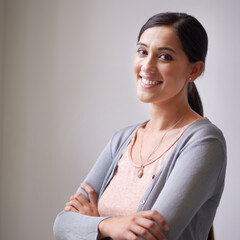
(197, 176)
(126, 227)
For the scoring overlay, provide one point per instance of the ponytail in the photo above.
(194, 99)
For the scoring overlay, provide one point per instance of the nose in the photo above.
(149, 65)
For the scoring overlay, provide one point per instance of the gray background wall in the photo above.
(67, 86)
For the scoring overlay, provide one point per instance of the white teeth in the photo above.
(148, 82)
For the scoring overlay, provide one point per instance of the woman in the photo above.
(162, 179)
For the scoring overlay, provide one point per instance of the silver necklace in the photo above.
(140, 171)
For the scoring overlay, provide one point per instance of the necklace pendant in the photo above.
(140, 172)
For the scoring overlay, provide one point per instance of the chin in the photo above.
(144, 99)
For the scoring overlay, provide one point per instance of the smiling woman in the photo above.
(161, 66)
(161, 179)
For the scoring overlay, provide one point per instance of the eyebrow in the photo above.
(160, 48)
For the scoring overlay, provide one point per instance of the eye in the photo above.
(142, 51)
(165, 56)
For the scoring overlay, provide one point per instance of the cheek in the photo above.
(173, 72)
(167, 71)
(136, 66)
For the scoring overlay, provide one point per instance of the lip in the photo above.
(149, 78)
(153, 82)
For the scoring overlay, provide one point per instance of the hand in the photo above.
(79, 203)
(138, 224)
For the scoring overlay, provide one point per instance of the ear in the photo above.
(197, 69)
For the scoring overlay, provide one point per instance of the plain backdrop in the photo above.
(67, 85)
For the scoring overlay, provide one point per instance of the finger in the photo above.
(131, 235)
(74, 203)
(143, 232)
(81, 198)
(91, 193)
(155, 215)
(151, 226)
(70, 209)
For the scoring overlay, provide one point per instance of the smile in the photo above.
(147, 82)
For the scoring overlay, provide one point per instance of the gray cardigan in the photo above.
(186, 190)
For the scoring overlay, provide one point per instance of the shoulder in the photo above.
(204, 135)
(123, 136)
(204, 145)
(204, 129)
(126, 132)
(205, 142)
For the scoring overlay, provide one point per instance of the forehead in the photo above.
(160, 36)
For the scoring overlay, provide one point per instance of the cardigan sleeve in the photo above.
(195, 184)
(75, 226)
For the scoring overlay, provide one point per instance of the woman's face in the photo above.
(161, 68)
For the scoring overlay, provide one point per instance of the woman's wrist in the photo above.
(102, 229)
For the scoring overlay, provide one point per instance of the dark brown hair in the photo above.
(194, 42)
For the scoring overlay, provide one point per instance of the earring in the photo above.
(190, 78)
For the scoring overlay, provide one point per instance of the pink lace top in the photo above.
(124, 192)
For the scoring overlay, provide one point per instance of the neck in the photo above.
(165, 116)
